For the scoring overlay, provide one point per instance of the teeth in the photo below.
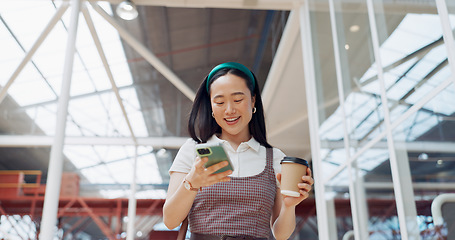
(231, 119)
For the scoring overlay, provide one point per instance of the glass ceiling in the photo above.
(407, 82)
(93, 108)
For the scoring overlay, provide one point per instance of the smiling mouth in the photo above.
(231, 120)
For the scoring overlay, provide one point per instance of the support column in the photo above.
(359, 210)
(405, 178)
(54, 176)
(326, 224)
(401, 176)
(131, 232)
(447, 34)
(331, 214)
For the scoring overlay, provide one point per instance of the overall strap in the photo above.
(269, 157)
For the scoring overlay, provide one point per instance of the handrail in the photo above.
(348, 235)
(436, 207)
(38, 174)
(25, 172)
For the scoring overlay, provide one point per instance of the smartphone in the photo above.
(215, 153)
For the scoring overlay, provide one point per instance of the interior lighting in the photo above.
(354, 28)
(127, 10)
(439, 163)
(346, 46)
(423, 157)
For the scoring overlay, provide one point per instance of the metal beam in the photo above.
(34, 48)
(51, 198)
(417, 146)
(100, 50)
(147, 54)
(46, 141)
(389, 185)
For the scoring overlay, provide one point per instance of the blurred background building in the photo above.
(94, 105)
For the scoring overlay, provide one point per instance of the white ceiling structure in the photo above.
(155, 63)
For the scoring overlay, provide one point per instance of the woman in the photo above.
(244, 203)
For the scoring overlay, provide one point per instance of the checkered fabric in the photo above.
(242, 206)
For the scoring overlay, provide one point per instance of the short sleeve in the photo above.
(278, 155)
(185, 157)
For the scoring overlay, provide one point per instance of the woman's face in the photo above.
(232, 105)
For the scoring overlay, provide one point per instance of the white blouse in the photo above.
(249, 159)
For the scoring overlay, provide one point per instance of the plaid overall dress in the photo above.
(242, 206)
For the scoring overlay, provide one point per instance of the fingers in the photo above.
(278, 177)
(304, 194)
(217, 167)
(309, 172)
(305, 187)
(203, 177)
(307, 179)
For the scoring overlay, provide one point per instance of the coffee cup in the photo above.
(292, 170)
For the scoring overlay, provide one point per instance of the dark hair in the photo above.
(201, 113)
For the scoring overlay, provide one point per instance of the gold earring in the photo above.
(213, 115)
(254, 110)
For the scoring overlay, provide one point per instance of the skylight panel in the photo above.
(101, 81)
(81, 156)
(397, 112)
(420, 128)
(440, 77)
(44, 117)
(372, 158)
(442, 103)
(437, 54)
(81, 83)
(402, 68)
(122, 74)
(342, 179)
(30, 88)
(147, 170)
(371, 72)
(73, 129)
(401, 88)
(424, 25)
(121, 171)
(115, 153)
(50, 64)
(87, 109)
(99, 174)
(330, 129)
(419, 93)
(152, 194)
(421, 69)
(27, 29)
(111, 194)
(11, 55)
(139, 127)
(413, 127)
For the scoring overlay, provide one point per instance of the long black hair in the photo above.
(202, 125)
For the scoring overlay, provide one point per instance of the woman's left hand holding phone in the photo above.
(178, 203)
(199, 176)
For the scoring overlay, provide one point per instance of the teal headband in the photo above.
(233, 65)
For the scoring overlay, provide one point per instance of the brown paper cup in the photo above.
(292, 170)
